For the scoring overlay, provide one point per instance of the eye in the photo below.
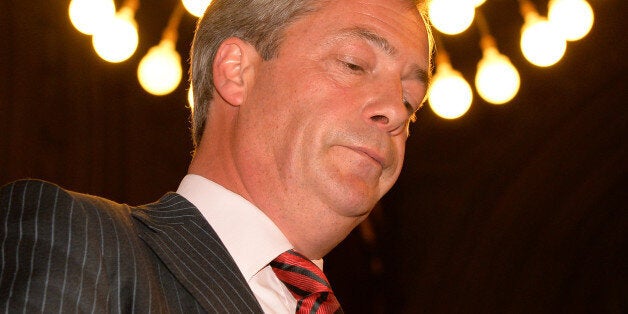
(352, 63)
(411, 110)
(353, 67)
(408, 105)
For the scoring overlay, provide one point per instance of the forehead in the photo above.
(393, 12)
(397, 22)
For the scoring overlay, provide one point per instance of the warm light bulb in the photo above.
(572, 18)
(160, 71)
(541, 44)
(196, 7)
(497, 80)
(450, 94)
(89, 15)
(118, 40)
(451, 16)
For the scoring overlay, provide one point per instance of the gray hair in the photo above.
(258, 22)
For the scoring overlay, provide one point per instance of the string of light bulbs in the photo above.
(543, 43)
(115, 38)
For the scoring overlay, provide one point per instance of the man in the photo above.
(301, 118)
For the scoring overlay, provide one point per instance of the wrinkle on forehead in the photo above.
(394, 17)
(375, 39)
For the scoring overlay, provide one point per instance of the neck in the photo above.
(213, 156)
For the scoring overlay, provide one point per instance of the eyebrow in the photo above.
(382, 43)
(379, 41)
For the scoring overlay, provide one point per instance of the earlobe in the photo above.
(230, 64)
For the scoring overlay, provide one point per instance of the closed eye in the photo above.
(353, 67)
(411, 111)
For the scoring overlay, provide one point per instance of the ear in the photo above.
(234, 61)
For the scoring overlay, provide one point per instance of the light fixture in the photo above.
(118, 40)
(572, 18)
(450, 95)
(497, 80)
(451, 17)
(159, 71)
(196, 7)
(89, 15)
(541, 43)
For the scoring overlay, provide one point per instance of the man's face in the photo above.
(322, 133)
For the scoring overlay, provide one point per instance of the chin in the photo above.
(353, 203)
(347, 194)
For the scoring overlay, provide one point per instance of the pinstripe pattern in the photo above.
(64, 252)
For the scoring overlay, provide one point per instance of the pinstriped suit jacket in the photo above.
(65, 252)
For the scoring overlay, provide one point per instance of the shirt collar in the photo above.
(251, 238)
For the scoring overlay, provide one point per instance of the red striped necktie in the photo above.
(307, 283)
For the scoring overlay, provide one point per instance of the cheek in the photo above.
(394, 170)
(400, 151)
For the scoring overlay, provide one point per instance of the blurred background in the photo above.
(513, 208)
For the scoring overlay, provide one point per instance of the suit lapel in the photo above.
(178, 233)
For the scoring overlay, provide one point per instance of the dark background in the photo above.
(519, 208)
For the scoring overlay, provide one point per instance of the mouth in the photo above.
(370, 153)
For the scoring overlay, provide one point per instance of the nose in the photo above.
(385, 107)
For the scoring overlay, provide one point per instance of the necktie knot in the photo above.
(307, 283)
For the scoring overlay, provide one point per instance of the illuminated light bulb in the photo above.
(196, 7)
(450, 94)
(118, 40)
(89, 15)
(191, 98)
(497, 80)
(541, 43)
(451, 16)
(159, 72)
(572, 18)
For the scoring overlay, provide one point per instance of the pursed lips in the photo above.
(371, 153)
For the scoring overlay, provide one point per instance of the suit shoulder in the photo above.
(29, 198)
(61, 244)
(29, 193)
(27, 187)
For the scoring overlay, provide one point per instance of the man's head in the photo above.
(310, 129)
(259, 22)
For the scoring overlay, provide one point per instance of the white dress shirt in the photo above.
(251, 238)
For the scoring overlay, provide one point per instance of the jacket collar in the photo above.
(185, 242)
